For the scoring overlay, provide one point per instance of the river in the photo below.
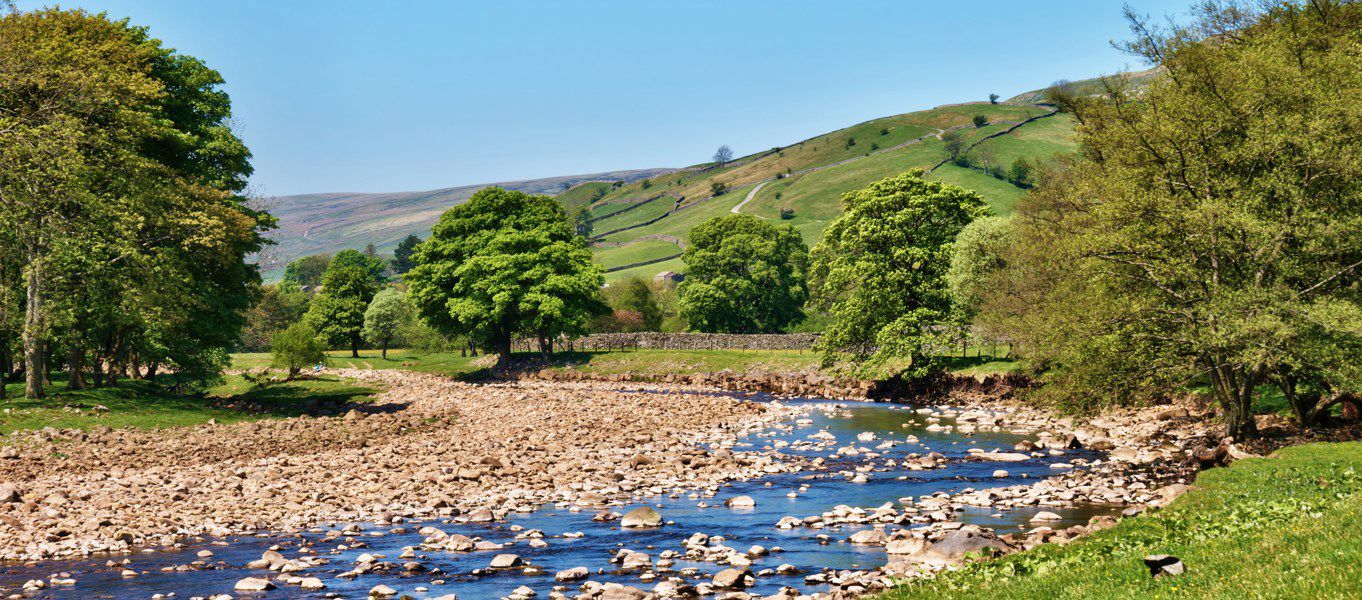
(810, 550)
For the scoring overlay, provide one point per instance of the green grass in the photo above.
(636, 252)
(1000, 195)
(652, 210)
(646, 271)
(147, 405)
(1285, 526)
(583, 194)
(679, 224)
(1037, 141)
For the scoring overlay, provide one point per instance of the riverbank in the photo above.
(426, 447)
(1282, 526)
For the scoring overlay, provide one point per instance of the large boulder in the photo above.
(506, 561)
(643, 516)
(740, 502)
(254, 584)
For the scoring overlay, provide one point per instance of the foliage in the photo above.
(581, 221)
(787, 213)
(505, 263)
(718, 188)
(120, 183)
(276, 307)
(879, 271)
(743, 275)
(634, 296)
(386, 316)
(401, 262)
(979, 120)
(308, 270)
(992, 98)
(337, 313)
(954, 144)
(978, 257)
(296, 348)
(1211, 230)
(369, 262)
(417, 336)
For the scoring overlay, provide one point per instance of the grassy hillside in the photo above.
(816, 172)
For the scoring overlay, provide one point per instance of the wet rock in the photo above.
(643, 516)
(729, 579)
(573, 574)
(506, 561)
(868, 537)
(381, 591)
(1045, 516)
(740, 502)
(253, 584)
(312, 583)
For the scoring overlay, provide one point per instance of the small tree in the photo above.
(980, 120)
(718, 188)
(1021, 173)
(992, 98)
(401, 262)
(307, 270)
(296, 348)
(954, 144)
(638, 297)
(723, 155)
(387, 315)
(787, 213)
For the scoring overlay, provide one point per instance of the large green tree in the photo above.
(505, 263)
(880, 271)
(337, 312)
(1210, 233)
(743, 275)
(366, 261)
(120, 179)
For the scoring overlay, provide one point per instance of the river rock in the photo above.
(740, 502)
(1045, 515)
(732, 579)
(643, 516)
(506, 561)
(253, 584)
(381, 591)
(312, 583)
(573, 574)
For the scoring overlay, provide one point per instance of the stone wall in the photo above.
(695, 341)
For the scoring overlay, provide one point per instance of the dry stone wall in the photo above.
(696, 341)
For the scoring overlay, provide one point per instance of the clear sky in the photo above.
(373, 96)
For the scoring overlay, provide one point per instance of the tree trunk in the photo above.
(75, 368)
(1233, 388)
(385, 349)
(502, 344)
(151, 369)
(354, 348)
(33, 332)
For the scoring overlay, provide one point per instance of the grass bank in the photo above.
(610, 362)
(145, 404)
(1278, 527)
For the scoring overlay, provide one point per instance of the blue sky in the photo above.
(371, 96)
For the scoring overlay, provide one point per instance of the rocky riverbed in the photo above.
(534, 488)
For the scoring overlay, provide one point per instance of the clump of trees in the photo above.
(337, 312)
(385, 318)
(297, 347)
(123, 223)
(1208, 234)
(743, 275)
(506, 263)
(634, 306)
(307, 270)
(880, 272)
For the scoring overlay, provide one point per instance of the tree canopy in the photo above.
(743, 275)
(506, 263)
(1209, 234)
(402, 262)
(387, 315)
(368, 262)
(880, 271)
(120, 191)
(307, 270)
(337, 313)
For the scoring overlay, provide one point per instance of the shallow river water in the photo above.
(741, 527)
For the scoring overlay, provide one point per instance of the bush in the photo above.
(296, 348)
(718, 188)
(980, 120)
(787, 213)
(646, 183)
(421, 338)
(884, 131)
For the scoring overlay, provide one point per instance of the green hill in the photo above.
(807, 179)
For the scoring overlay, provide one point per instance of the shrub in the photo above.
(992, 98)
(884, 131)
(787, 213)
(718, 188)
(646, 183)
(296, 348)
(980, 120)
